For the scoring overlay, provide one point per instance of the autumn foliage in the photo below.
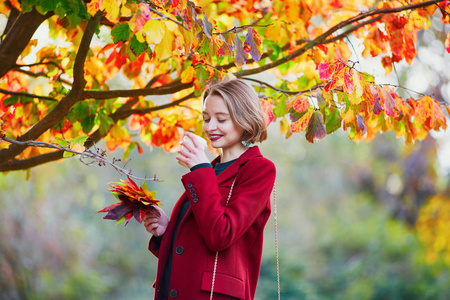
(114, 69)
(134, 202)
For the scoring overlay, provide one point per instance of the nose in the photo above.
(211, 125)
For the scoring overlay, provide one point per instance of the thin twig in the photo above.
(98, 156)
(26, 95)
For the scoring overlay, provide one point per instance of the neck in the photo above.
(230, 154)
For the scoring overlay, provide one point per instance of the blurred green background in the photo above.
(347, 216)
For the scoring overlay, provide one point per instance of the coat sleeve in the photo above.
(220, 225)
(154, 245)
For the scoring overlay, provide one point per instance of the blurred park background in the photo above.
(348, 224)
(356, 220)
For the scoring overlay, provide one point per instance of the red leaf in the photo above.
(348, 81)
(389, 105)
(377, 109)
(139, 212)
(136, 201)
(325, 70)
(299, 103)
(118, 212)
(108, 208)
(267, 108)
(316, 129)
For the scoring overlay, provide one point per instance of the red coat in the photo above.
(235, 230)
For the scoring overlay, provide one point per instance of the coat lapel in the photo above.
(232, 170)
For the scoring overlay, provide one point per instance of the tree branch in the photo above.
(18, 38)
(26, 95)
(320, 39)
(62, 108)
(163, 90)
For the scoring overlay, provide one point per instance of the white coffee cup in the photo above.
(199, 140)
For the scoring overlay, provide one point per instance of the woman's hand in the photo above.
(156, 221)
(192, 153)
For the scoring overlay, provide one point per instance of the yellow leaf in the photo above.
(292, 10)
(153, 31)
(165, 48)
(188, 75)
(112, 9)
(301, 124)
(93, 6)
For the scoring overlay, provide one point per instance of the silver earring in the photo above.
(246, 144)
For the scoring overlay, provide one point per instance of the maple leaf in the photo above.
(316, 129)
(134, 201)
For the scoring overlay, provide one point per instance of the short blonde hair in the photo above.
(244, 106)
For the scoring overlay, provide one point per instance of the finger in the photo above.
(193, 139)
(187, 145)
(185, 152)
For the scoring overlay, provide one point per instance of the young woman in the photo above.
(202, 222)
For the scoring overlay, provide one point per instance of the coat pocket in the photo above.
(224, 284)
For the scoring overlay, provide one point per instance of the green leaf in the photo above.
(121, 33)
(61, 142)
(367, 77)
(127, 151)
(280, 109)
(48, 5)
(88, 123)
(104, 121)
(202, 75)
(79, 140)
(68, 154)
(136, 47)
(333, 123)
(81, 110)
(11, 100)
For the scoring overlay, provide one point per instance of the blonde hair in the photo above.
(244, 106)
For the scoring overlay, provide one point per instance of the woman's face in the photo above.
(219, 127)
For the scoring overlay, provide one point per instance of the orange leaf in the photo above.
(301, 124)
(300, 103)
(188, 75)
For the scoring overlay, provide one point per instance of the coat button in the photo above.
(195, 200)
(179, 250)
(194, 195)
(189, 185)
(191, 190)
(173, 293)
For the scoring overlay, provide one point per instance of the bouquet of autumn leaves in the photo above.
(134, 202)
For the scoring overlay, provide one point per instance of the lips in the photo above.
(214, 137)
